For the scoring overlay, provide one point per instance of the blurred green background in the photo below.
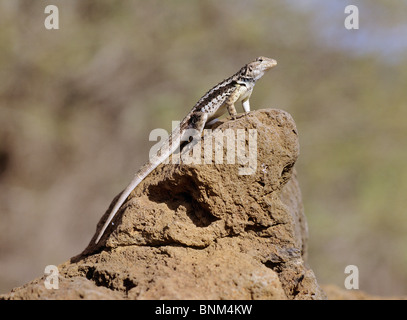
(77, 105)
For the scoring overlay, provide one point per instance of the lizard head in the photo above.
(257, 68)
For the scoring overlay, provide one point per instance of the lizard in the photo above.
(218, 100)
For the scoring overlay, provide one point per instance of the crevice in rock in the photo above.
(128, 284)
(174, 197)
(162, 244)
(108, 280)
(99, 278)
(256, 228)
(275, 266)
(296, 290)
(287, 171)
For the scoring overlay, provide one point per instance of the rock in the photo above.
(203, 231)
(335, 293)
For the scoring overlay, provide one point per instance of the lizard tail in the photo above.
(118, 204)
(141, 174)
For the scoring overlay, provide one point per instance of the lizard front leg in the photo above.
(234, 96)
(245, 100)
(246, 105)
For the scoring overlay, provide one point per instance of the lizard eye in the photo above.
(250, 68)
(260, 59)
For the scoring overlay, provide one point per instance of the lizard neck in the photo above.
(248, 82)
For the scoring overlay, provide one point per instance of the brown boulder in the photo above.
(203, 231)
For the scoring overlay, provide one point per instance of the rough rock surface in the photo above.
(202, 231)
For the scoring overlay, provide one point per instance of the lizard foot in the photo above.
(238, 116)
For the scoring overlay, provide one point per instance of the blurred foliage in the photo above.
(77, 105)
